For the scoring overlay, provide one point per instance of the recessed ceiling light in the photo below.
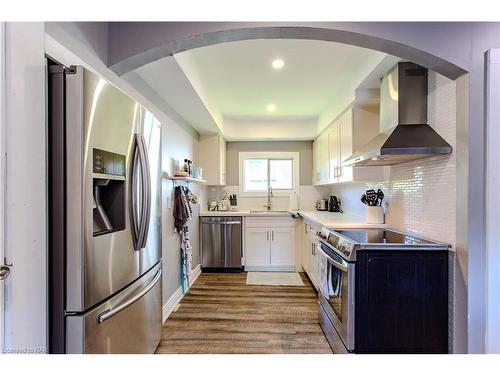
(278, 63)
(271, 108)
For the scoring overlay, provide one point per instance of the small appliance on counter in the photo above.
(374, 210)
(322, 205)
(224, 203)
(334, 204)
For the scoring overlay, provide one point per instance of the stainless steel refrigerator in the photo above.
(104, 217)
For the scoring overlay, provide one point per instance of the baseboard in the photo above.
(196, 272)
(172, 302)
(175, 298)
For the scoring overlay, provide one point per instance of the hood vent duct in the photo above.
(404, 132)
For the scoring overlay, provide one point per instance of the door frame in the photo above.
(2, 174)
(492, 93)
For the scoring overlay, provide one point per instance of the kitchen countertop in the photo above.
(245, 213)
(337, 220)
(334, 220)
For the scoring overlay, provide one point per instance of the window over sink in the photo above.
(261, 170)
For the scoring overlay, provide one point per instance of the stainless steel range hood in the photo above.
(404, 132)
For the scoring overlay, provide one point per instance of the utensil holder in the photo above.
(375, 215)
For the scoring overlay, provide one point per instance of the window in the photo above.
(261, 170)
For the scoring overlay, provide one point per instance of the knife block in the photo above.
(375, 215)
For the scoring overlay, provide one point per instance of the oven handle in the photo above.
(331, 260)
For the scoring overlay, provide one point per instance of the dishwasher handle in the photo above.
(222, 222)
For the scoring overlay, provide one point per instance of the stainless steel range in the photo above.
(339, 252)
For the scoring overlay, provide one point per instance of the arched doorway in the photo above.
(155, 48)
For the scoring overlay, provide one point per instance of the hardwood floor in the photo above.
(221, 314)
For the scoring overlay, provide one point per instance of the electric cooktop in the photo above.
(347, 242)
(381, 236)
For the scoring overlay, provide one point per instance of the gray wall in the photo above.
(303, 147)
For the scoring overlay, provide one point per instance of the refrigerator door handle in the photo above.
(110, 313)
(136, 221)
(146, 186)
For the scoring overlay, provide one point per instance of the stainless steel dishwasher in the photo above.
(221, 243)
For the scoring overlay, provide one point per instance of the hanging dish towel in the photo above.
(182, 214)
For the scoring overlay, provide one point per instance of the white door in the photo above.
(257, 247)
(283, 247)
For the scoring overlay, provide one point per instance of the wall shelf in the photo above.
(188, 179)
(185, 179)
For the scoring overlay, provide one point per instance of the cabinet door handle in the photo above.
(267, 235)
(272, 235)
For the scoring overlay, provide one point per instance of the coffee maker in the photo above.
(334, 204)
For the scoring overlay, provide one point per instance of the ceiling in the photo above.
(228, 87)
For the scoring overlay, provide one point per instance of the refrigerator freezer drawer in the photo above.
(129, 322)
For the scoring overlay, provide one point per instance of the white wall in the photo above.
(177, 144)
(25, 202)
(258, 129)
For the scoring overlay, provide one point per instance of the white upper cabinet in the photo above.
(212, 159)
(321, 173)
(333, 152)
(353, 128)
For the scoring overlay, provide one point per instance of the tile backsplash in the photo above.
(308, 195)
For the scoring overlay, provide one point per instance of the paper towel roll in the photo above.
(293, 202)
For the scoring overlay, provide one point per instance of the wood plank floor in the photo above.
(221, 314)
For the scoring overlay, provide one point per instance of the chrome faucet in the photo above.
(269, 195)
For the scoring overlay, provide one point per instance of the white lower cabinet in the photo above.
(269, 248)
(257, 247)
(283, 247)
(309, 263)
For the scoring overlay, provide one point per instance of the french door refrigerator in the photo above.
(104, 217)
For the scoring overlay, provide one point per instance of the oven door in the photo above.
(336, 292)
